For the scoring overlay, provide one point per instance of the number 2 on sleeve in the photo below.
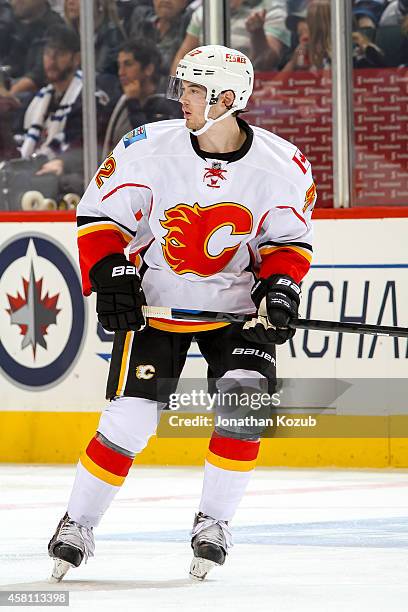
(105, 171)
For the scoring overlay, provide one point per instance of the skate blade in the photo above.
(200, 567)
(60, 569)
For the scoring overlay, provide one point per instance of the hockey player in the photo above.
(216, 215)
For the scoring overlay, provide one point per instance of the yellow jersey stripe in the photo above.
(125, 364)
(172, 327)
(100, 472)
(104, 226)
(230, 464)
(306, 254)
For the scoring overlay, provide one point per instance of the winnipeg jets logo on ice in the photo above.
(203, 240)
(39, 293)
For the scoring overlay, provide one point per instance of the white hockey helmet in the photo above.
(218, 69)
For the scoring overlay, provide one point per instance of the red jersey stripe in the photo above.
(295, 212)
(94, 247)
(230, 448)
(108, 459)
(105, 197)
(285, 262)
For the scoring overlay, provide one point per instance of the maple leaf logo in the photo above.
(33, 313)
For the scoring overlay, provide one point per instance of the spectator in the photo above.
(390, 33)
(7, 144)
(319, 24)
(366, 54)
(108, 32)
(314, 49)
(257, 29)
(57, 6)
(297, 24)
(53, 120)
(296, 21)
(165, 24)
(125, 9)
(32, 19)
(395, 13)
(368, 12)
(269, 37)
(6, 28)
(139, 73)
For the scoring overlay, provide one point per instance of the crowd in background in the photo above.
(379, 33)
(138, 44)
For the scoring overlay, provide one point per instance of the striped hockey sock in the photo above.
(228, 468)
(101, 471)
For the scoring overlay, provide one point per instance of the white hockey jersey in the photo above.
(199, 227)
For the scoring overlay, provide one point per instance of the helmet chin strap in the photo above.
(209, 122)
(205, 127)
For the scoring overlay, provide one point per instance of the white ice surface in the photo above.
(305, 540)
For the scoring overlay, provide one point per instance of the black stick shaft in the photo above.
(351, 328)
(308, 324)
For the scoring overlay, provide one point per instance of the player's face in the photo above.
(193, 103)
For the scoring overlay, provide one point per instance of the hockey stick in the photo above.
(180, 314)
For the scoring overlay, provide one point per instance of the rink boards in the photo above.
(54, 359)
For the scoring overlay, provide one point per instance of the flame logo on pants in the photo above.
(190, 229)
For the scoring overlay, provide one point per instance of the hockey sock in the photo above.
(100, 473)
(123, 431)
(228, 468)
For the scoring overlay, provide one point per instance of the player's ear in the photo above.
(228, 98)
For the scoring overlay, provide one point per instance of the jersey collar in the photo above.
(231, 156)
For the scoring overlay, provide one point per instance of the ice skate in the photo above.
(210, 540)
(68, 546)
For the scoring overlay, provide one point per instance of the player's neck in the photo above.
(222, 137)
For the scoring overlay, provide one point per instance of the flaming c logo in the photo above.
(190, 244)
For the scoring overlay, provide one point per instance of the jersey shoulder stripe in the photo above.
(83, 220)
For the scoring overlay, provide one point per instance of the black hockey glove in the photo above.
(277, 300)
(119, 295)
